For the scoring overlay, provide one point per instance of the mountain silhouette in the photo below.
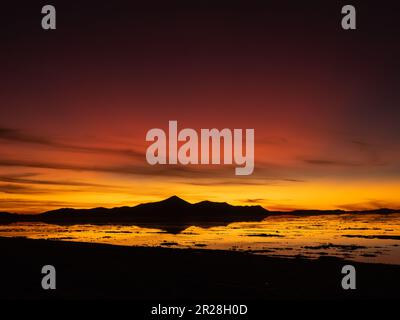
(171, 215)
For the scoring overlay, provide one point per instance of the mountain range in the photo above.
(172, 215)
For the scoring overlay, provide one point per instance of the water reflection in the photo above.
(369, 238)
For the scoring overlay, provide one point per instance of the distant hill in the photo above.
(172, 209)
(7, 215)
(307, 212)
(172, 215)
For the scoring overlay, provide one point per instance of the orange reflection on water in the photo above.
(369, 238)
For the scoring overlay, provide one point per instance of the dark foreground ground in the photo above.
(91, 271)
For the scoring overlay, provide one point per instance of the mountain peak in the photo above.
(174, 200)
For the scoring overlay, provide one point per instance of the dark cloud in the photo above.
(24, 179)
(19, 136)
(256, 200)
(25, 184)
(226, 182)
(292, 180)
(339, 163)
(193, 175)
(167, 170)
(18, 189)
(259, 181)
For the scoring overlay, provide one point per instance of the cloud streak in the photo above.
(18, 136)
(23, 179)
(191, 175)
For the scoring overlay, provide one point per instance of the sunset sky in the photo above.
(76, 103)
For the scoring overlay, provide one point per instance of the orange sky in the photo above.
(76, 105)
(38, 173)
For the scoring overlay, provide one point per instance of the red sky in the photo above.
(76, 104)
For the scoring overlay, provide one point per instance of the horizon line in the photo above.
(292, 210)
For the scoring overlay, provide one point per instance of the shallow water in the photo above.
(367, 238)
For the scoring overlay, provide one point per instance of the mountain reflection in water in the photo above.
(368, 238)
